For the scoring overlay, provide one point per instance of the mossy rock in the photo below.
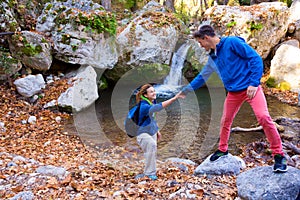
(153, 72)
(284, 86)
(271, 83)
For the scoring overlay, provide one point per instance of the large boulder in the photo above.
(285, 66)
(149, 40)
(83, 93)
(262, 183)
(295, 11)
(227, 164)
(261, 25)
(32, 49)
(82, 33)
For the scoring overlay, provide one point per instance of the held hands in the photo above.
(251, 91)
(180, 95)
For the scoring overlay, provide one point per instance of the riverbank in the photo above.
(91, 173)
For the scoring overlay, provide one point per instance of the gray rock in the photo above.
(262, 183)
(19, 158)
(84, 91)
(228, 164)
(30, 85)
(52, 171)
(73, 43)
(36, 51)
(294, 11)
(285, 61)
(23, 196)
(180, 160)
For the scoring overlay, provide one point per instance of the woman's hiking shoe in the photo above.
(139, 176)
(152, 177)
(280, 165)
(217, 155)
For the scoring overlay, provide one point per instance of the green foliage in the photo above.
(12, 3)
(231, 24)
(27, 48)
(100, 22)
(128, 4)
(255, 26)
(271, 83)
(31, 50)
(66, 39)
(284, 86)
(6, 60)
(83, 40)
(182, 13)
(44, 40)
(288, 2)
(244, 2)
(102, 83)
(13, 26)
(74, 47)
(49, 6)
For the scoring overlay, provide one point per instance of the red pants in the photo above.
(232, 104)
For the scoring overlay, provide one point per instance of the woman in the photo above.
(148, 132)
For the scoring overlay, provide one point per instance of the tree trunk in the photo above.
(169, 5)
(106, 4)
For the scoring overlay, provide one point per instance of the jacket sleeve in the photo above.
(245, 51)
(155, 108)
(201, 78)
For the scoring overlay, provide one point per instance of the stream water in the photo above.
(190, 126)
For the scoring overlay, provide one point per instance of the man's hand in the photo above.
(251, 91)
(180, 95)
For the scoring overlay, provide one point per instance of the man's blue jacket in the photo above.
(237, 64)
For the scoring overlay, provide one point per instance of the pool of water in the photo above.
(190, 126)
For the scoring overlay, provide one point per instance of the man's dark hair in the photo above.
(204, 30)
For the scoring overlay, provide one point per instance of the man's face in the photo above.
(205, 42)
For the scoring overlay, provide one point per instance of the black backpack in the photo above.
(132, 123)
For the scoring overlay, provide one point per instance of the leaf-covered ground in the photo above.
(93, 174)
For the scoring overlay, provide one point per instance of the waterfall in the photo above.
(174, 79)
(175, 76)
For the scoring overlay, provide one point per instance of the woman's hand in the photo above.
(158, 136)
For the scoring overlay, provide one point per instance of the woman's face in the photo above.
(151, 94)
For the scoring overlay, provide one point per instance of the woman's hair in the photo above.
(204, 30)
(142, 91)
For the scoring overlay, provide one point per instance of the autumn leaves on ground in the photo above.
(89, 178)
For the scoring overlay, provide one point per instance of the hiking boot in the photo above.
(152, 177)
(139, 176)
(217, 155)
(280, 165)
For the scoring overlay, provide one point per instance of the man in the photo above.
(240, 69)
